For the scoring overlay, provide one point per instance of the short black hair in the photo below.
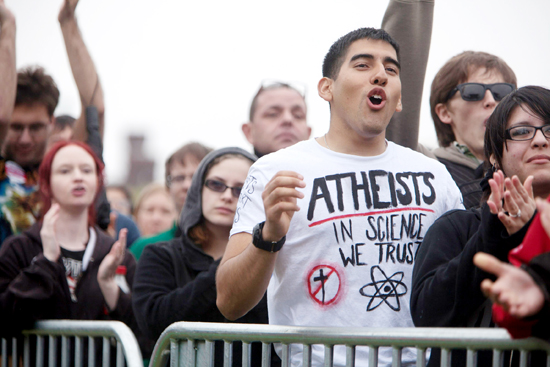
(533, 98)
(337, 52)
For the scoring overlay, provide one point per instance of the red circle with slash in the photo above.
(324, 284)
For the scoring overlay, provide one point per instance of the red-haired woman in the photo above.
(64, 267)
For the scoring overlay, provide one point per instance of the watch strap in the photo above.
(259, 242)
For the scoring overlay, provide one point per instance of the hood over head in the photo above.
(191, 213)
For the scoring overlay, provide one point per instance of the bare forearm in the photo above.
(110, 292)
(8, 74)
(84, 73)
(410, 24)
(242, 280)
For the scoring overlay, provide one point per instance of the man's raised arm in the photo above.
(8, 72)
(410, 24)
(82, 66)
(245, 270)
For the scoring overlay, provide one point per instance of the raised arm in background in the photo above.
(8, 72)
(410, 24)
(82, 66)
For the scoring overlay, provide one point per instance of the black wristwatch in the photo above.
(259, 242)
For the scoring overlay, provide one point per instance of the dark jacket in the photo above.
(176, 280)
(465, 172)
(446, 283)
(33, 288)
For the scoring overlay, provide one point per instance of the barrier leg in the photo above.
(445, 357)
(39, 351)
(471, 358)
(52, 347)
(106, 352)
(329, 355)
(285, 355)
(91, 351)
(227, 354)
(420, 357)
(266, 354)
(78, 351)
(373, 356)
(306, 355)
(350, 355)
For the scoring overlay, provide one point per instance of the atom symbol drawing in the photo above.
(384, 289)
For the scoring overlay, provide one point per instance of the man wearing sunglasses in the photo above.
(464, 93)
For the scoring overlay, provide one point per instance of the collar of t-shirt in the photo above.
(90, 246)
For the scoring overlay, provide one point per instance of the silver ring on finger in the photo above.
(517, 215)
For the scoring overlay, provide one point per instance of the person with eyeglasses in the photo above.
(175, 280)
(521, 292)
(179, 170)
(28, 99)
(446, 284)
(464, 93)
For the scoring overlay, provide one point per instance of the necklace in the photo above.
(326, 143)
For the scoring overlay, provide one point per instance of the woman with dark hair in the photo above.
(446, 283)
(63, 267)
(175, 280)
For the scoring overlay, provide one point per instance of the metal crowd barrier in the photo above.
(192, 343)
(75, 336)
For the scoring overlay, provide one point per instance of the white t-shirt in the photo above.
(350, 250)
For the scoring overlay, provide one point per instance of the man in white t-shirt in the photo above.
(333, 224)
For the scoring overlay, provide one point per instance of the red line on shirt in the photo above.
(370, 213)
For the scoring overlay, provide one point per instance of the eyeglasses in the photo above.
(521, 133)
(476, 91)
(171, 180)
(218, 186)
(35, 129)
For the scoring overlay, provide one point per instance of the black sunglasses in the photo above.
(476, 91)
(526, 132)
(218, 186)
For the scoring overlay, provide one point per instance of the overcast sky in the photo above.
(179, 71)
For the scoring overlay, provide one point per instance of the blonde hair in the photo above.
(148, 190)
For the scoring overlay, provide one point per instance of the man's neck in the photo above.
(355, 144)
(257, 153)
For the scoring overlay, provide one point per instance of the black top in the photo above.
(176, 280)
(446, 284)
(467, 180)
(33, 288)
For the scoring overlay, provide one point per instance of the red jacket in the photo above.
(535, 243)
